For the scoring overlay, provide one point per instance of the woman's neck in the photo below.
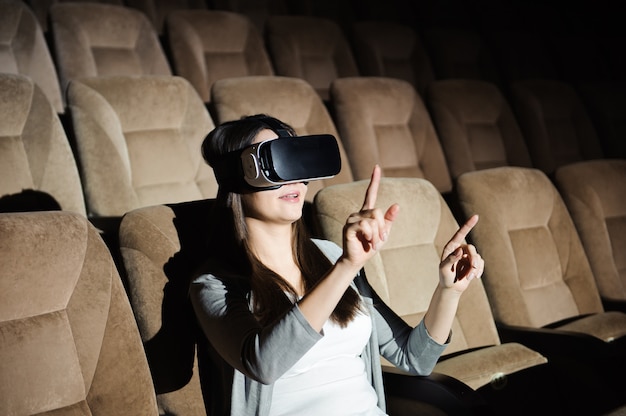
(272, 245)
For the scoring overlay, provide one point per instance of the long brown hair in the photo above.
(272, 295)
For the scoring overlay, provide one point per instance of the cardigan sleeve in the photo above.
(262, 353)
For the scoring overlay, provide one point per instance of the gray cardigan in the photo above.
(240, 358)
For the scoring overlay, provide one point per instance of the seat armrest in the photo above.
(450, 395)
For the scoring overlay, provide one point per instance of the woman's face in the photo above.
(283, 205)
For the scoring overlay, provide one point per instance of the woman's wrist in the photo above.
(343, 265)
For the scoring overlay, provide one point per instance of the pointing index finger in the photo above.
(372, 190)
(460, 235)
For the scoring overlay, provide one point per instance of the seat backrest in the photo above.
(138, 142)
(555, 123)
(311, 48)
(161, 246)
(392, 49)
(476, 126)
(537, 271)
(41, 8)
(25, 50)
(405, 271)
(210, 45)
(291, 100)
(35, 153)
(94, 39)
(158, 10)
(460, 52)
(69, 343)
(595, 194)
(384, 121)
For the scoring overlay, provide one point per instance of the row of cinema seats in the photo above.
(533, 338)
(161, 238)
(205, 45)
(528, 240)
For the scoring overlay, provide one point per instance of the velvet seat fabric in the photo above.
(314, 49)
(476, 126)
(595, 194)
(289, 99)
(69, 344)
(538, 271)
(540, 282)
(25, 50)
(210, 45)
(160, 247)
(405, 272)
(390, 49)
(41, 8)
(35, 154)
(138, 140)
(95, 40)
(556, 125)
(158, 10)
(384, 121)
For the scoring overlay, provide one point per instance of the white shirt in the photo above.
(330, 378)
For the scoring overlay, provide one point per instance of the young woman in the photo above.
(292, 326)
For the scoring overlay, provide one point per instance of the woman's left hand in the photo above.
(460, 262)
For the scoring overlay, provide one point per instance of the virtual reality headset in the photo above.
(276, 162)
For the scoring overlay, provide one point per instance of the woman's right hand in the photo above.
(367, 230)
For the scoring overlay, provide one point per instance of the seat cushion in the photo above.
(482, 366)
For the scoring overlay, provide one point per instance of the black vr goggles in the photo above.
(276, 162)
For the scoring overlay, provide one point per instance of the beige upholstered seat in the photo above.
(35, 153)
(555, 123)
(594, 192)
(392, 49)
(291, 100)
(158, 10)
(314, 49)
(384, 121)
(210, 45)
(538, 272)
(476, 126)
(138, 142)
(160, 247)
(42, 8)
(538, 278)
(94, 40)
(25, 50)
(69, 343)
(405, 273)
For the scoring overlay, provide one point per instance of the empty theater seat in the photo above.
(209, 45)
(25, 50)
(37, 166)
(93, 39)
(138, 142)
(69, 343)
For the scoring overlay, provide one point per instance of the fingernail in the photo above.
(385, 235)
